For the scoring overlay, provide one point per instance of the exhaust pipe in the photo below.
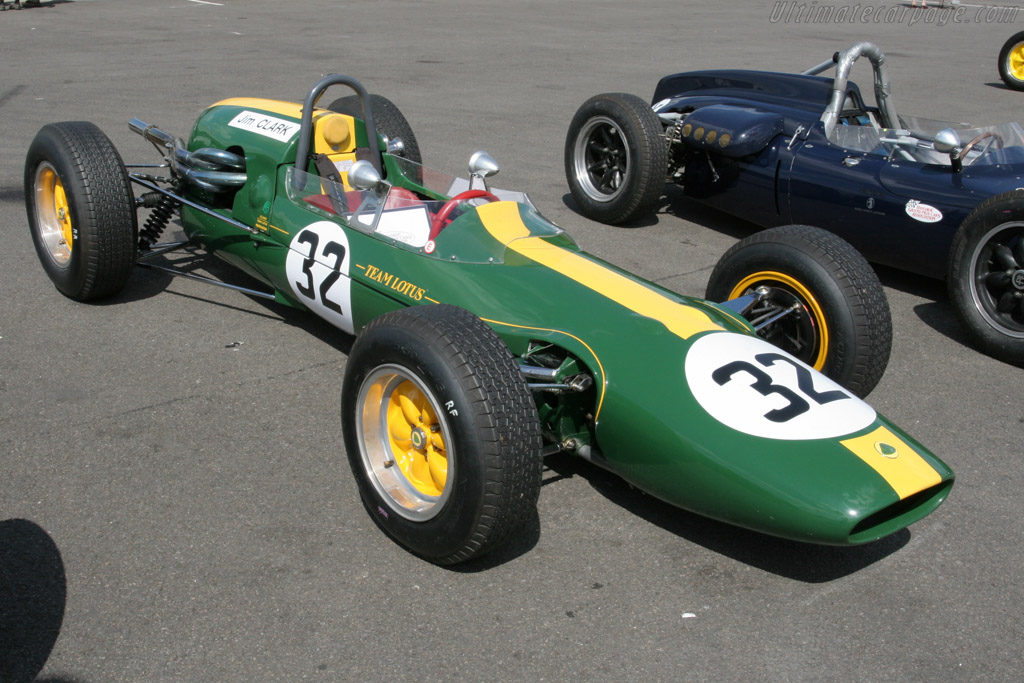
(208, 168)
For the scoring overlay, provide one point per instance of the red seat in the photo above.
(398, 198)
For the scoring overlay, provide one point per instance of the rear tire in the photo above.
(386, 116)
(441, 432)
(844, 329)
(1011, 62)
(81, 210)
(615, 158)
(986, 276)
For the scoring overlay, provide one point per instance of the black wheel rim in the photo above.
(997, 278)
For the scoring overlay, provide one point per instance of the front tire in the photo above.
(386, 116)
(81, 210)
(843, 327)
(986, 276)
(442, 433)
(615, 158)
(1011, 62)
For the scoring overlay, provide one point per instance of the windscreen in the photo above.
(999, 144)
(410, 220)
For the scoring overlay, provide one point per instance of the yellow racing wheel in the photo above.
(1011, 62)
(441, 432)
(81, 210)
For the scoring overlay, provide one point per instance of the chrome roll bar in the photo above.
(844, 63)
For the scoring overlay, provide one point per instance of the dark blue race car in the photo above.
(941, 199)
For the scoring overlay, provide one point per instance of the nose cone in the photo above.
(747, 434)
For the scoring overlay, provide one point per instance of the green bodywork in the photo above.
(556, 306)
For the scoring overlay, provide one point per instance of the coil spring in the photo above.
(674, 134)
(157, 222)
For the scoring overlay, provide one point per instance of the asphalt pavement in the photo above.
(176, 455)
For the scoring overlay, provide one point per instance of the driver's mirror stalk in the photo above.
(948, 142)
(481, 166)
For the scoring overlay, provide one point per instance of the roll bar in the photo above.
(306, 126)
(844, 62)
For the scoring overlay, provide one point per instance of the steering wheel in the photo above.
(441, 220)
(978, 138)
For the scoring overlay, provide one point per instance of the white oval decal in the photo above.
(317, 268)
(925, 213)
(265, 125)
(758, 389)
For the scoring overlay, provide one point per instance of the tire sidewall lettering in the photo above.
(450, 518)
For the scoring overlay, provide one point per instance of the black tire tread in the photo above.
(386, 116)
(504, 411)
(1004, 52)
(860, 287)
(101, 202)
(1007, 206)
(652, 155)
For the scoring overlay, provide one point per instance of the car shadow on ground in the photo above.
(675, 203)
(937, 311)
(790, 559)
(148, 282)
(31, 4)
(33, 595)
(519, 545)
(646, 221)
(12, 194)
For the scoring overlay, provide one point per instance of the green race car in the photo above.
(486, 339)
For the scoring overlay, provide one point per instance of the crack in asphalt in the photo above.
(10, 94)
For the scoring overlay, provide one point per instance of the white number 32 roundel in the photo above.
(758, 389)
(317, 267)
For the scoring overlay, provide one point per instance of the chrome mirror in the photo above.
(481, 166)
(948, 142)
(363, 176)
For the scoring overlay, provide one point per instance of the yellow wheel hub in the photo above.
(53, 214)
(776, 280)
(416, 441)
(1015, 62)
(405, 443)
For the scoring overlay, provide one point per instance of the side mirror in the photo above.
(948, 142)
(481, 166)
(363, 176)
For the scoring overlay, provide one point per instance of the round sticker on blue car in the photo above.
(758, 389)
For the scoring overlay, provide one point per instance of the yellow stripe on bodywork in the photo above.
(505, 224)
(293, 110)
(899, 464)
